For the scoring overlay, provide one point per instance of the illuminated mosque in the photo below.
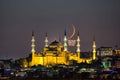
(58, 53)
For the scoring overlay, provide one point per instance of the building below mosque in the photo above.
(58, 53)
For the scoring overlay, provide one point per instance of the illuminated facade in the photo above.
(104, 51)
(117, 51)
(56, 53)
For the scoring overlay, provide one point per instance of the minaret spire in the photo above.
(65, 41)
(59, 38)
(94, 49)
(78, 45)
(65, 33)
(46, 40)
(33, 43)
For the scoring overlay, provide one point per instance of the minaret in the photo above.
(94, 49)
(33, 43)
(46, 40)
(59, 38)
(33, 47)
(65, 42)
(78, 45)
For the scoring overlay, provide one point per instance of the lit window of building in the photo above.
(104, 51)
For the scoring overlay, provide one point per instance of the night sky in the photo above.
(18, 18)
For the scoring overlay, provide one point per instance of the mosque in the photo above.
(58, 53)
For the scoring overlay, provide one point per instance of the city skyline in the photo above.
(92, 18)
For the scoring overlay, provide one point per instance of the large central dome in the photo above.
(55, 43)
